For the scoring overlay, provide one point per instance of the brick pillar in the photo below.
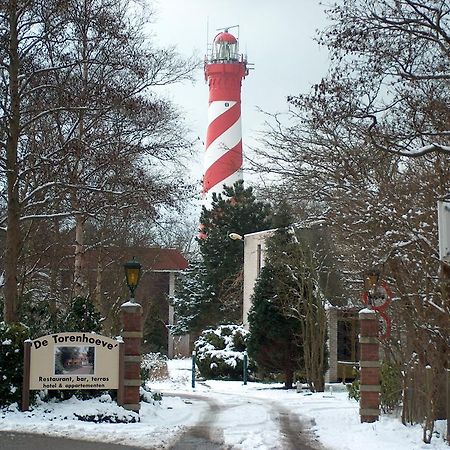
(132, 337)
(369, 363)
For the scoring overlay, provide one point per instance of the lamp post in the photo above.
(132, 275)
(371, 279)
(371, 283)
(369, 356)
(131, 313)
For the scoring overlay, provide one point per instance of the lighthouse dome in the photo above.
(225, 47)
(225, 37)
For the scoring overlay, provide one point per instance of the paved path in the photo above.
(206, 434)
(29, 441)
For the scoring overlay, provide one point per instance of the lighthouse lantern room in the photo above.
(225, 48)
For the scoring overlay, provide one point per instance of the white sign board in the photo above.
(74, 361)
(444, 230)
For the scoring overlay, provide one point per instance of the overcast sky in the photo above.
(277, 36)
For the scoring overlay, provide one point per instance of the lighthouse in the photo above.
(225, 69)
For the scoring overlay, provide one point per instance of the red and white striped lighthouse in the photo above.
(224, 70)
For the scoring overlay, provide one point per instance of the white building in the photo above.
(342, 322)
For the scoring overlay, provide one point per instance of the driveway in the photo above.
(207, 433)
(28, 441)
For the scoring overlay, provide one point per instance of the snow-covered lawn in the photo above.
(245, 413)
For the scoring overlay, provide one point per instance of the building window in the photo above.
(258, 259)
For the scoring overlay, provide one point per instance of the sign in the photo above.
(74, 361)
(379, 300)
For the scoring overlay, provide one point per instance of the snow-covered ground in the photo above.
(244, 413)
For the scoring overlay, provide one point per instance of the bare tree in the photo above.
(24, 25)
(83, 129)
(389, 78)
(343, 157)
(121, 128)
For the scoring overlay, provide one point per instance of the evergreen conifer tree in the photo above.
(82, 316)
(273, 342)
(235, 210)
(210, 293)
(192, 299)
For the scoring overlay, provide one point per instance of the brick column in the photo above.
(369, 403)
(131, 314)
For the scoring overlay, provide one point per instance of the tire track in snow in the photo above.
(209, 435)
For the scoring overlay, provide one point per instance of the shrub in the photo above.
(153, 367)
(11, 362)
(391, 387)
(353, 389)
(148, 396)
(220, 352)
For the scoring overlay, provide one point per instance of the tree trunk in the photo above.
(13, 239)
(98, 282)
(54, 273)
(78, 276)
(288, 378)
(79, 284)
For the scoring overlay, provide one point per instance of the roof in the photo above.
(158, 259)
(225, 37)
(153, 259)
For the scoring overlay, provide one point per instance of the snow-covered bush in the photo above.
(11, 362)
(220, 352)
(153, 367)
(148, 396)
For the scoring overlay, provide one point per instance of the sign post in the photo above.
(26, 375)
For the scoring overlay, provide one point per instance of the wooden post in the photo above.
(132, 337)
(120, 393)
(26, 375)
(193, 369)
(245, 368)
(369, 366)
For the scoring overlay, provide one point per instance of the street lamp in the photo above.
(132, 275)
(371, 279)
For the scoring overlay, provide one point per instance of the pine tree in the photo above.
(210, 292)
(273, 341)
(192, 299)
(235, 210)
(82, 316)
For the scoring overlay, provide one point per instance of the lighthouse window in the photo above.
(225, 50)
